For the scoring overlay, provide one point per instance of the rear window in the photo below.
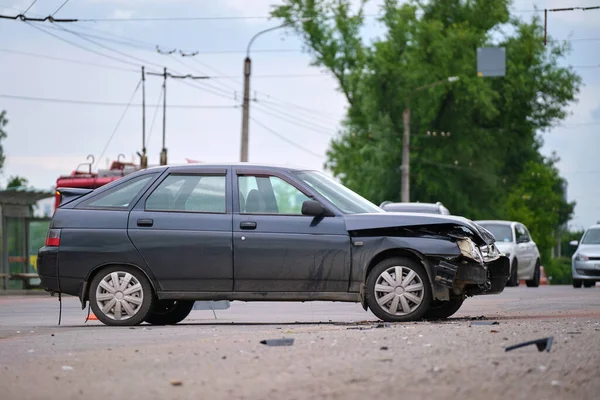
(121, 196)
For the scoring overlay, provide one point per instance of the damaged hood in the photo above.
(358, 222)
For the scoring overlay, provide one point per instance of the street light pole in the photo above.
(246, 104)
(405, 169)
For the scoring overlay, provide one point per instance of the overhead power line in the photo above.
(31, 5)
(291, 142)
(59, 8)
(120, 120)
(108, 103)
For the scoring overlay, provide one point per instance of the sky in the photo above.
(296, 108)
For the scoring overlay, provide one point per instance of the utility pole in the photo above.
(405, 188)
(246, 105)
(405, 177)
(163, 153)
(246, 109)
(143, 156)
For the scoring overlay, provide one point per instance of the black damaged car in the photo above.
(145, 247)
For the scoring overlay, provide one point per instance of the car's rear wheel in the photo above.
(398, 290)
(121, 296)
(513, 280)
(588, 284)
(535, 281)
(577, 283)
(169, 312)
(443, 309)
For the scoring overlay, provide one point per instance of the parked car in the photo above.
(145, 247)
(425, 208)
(513, 239)
(585, 264)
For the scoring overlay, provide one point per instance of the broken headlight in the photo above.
(469, 250)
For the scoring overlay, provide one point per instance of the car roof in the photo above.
(273, 167)
(495, 221)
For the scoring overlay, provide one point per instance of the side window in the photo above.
(269, 195)
(191, 193)
(121, 196)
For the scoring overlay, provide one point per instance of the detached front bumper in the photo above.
(47, 262)
(463, 276)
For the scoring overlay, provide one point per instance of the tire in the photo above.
(577, 283)
(416, 300)
(138, 296)
(514, 280)
(588, 284)
(443, 309)
(169, 312)
(535, 281)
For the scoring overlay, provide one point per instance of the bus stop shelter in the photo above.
(21, 236)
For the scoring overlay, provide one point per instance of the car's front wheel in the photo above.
(514, 271)
(398, 290)
(535, 281)
(588, 284)
(121, 296)
(577, 283)
(169, 312)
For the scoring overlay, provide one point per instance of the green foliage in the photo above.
(483, 169)
(558, 270)
(17, 181)
(565, 248)
(3, 123)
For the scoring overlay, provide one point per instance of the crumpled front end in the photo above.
(477, 270)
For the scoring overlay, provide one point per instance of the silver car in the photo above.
(585, 264)
(513, 239)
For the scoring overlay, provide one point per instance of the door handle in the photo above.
(145, 222)
(247, 225)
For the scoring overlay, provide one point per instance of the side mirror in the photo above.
(312, 208)
(574, 243)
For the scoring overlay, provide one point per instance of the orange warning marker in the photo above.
(92, 317)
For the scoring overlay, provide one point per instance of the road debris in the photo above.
(384, 348)
(485, 323)
(542, 368)
(278, 342)
(556, 383)
(67, 368)
(176, 383)
(542, 344)
(494, 331)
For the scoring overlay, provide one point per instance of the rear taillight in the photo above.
(53, 238)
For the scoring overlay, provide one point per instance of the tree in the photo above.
(494, 123)
(16, 182)
(3, 123)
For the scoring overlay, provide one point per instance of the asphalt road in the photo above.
(204, 358)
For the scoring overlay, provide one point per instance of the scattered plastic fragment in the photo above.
(67, 368)
(383, 348)
(30, 350)
(176, 383)
(573, 333)
(278, 342)
(382, 325)
(555, 383)
(542, 344)
(485, 323)
(542, 368)
(494, 331)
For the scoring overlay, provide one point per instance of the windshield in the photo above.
(342, 197)
(502, 233)
(592, 236)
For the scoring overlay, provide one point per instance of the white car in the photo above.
(585, 264)
(513, 239)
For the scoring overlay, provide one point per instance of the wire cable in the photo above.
(285, 139)
(58, 9)
(296, 121)
(31, 5)
(162, 88)
(119, 122)
(109, 104)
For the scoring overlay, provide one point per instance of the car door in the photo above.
(524, 248)
(182, 229)
(276, 248)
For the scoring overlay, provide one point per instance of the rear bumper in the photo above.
(48, 271)
(470, 278)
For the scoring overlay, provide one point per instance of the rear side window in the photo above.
(189, 193)
(121, 196)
